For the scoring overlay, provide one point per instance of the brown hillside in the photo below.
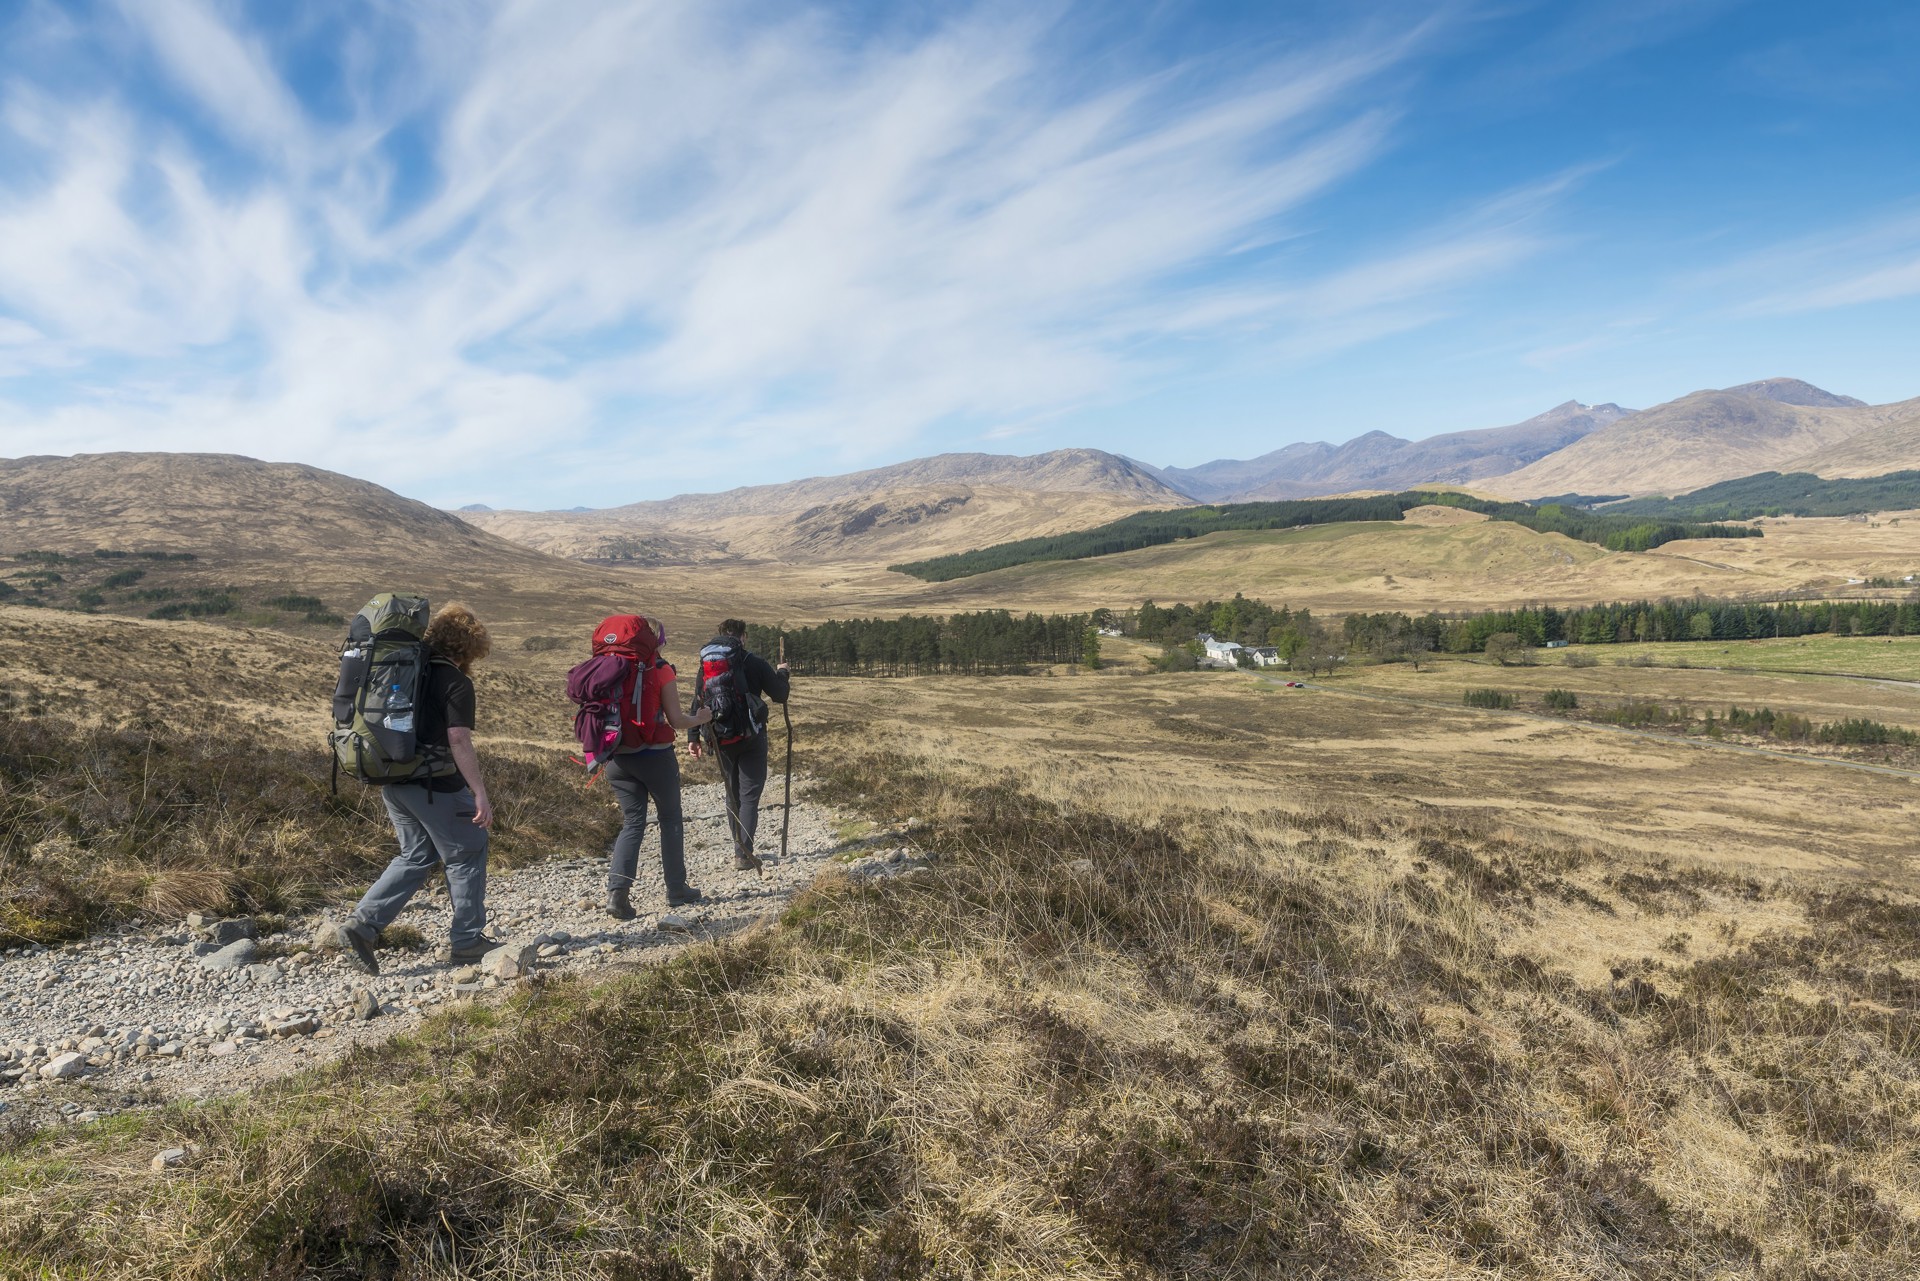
(1895, 447)
(268, 528)
(1701, 438)
(925, 507)
(878, 527)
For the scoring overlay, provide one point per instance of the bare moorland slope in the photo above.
(1701, 438)
(923, 507)
(1875, 452)
(1439, 562)
(265, 528)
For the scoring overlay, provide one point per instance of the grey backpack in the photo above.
(383, 674)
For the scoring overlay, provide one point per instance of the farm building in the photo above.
(1218, 652)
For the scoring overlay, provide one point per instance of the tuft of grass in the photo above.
(294, 603)
(403, 937)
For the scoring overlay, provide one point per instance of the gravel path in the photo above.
(139, 1016)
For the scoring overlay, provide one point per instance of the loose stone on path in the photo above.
(156, 1010)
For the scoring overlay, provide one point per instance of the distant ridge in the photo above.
(921, 507)
(1792, 391)
(1079, 470)
(1705, 437)
(1378, 460)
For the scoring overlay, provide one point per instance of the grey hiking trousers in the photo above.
(636, 777)
(744, 767)
(435, 830)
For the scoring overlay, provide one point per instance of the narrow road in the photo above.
(1671, 739)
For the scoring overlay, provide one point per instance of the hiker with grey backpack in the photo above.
(733, 685)
(403, 711)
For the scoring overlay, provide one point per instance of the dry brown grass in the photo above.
(1239, 1044)
(1152, 749)
(1699, 684)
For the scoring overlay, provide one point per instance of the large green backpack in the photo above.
(383, 673)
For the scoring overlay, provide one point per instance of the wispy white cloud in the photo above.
(1870, 261)
(228, 74)
(686, 222)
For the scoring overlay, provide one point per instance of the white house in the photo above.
(1265, 656)
(1218, 652)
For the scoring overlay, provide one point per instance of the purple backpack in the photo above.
(600, 686)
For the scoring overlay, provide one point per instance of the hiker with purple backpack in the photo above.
(628, 724)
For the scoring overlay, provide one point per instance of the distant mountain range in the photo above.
(1776, 424)
(955, 502)
(1380, 461)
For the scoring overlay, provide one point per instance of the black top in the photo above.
(446, 703)
(765, 681)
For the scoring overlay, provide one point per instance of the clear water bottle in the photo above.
(399, 712)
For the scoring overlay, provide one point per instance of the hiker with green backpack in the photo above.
(403, 712)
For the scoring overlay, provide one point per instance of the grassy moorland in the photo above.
(1890, 657)
(1730, 682)
(1201, 982)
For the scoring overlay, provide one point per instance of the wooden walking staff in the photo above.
(786, 803)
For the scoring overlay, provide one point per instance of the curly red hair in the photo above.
(458, 636)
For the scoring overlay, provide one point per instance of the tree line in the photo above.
(1000, 642)
(1392, 636)
(1762, 722)
(1696, 618)
(1772, 493)
(994, 642)
(1154, 528)
(1616, 533)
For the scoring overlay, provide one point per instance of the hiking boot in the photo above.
(468, 953)
(619, 905)
(746, 862)
(360, 939)
(685, 896)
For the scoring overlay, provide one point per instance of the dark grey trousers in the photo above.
(744, 767)
(435, 830)
(635, 777)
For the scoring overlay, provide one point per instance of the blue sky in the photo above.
(539, 254)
